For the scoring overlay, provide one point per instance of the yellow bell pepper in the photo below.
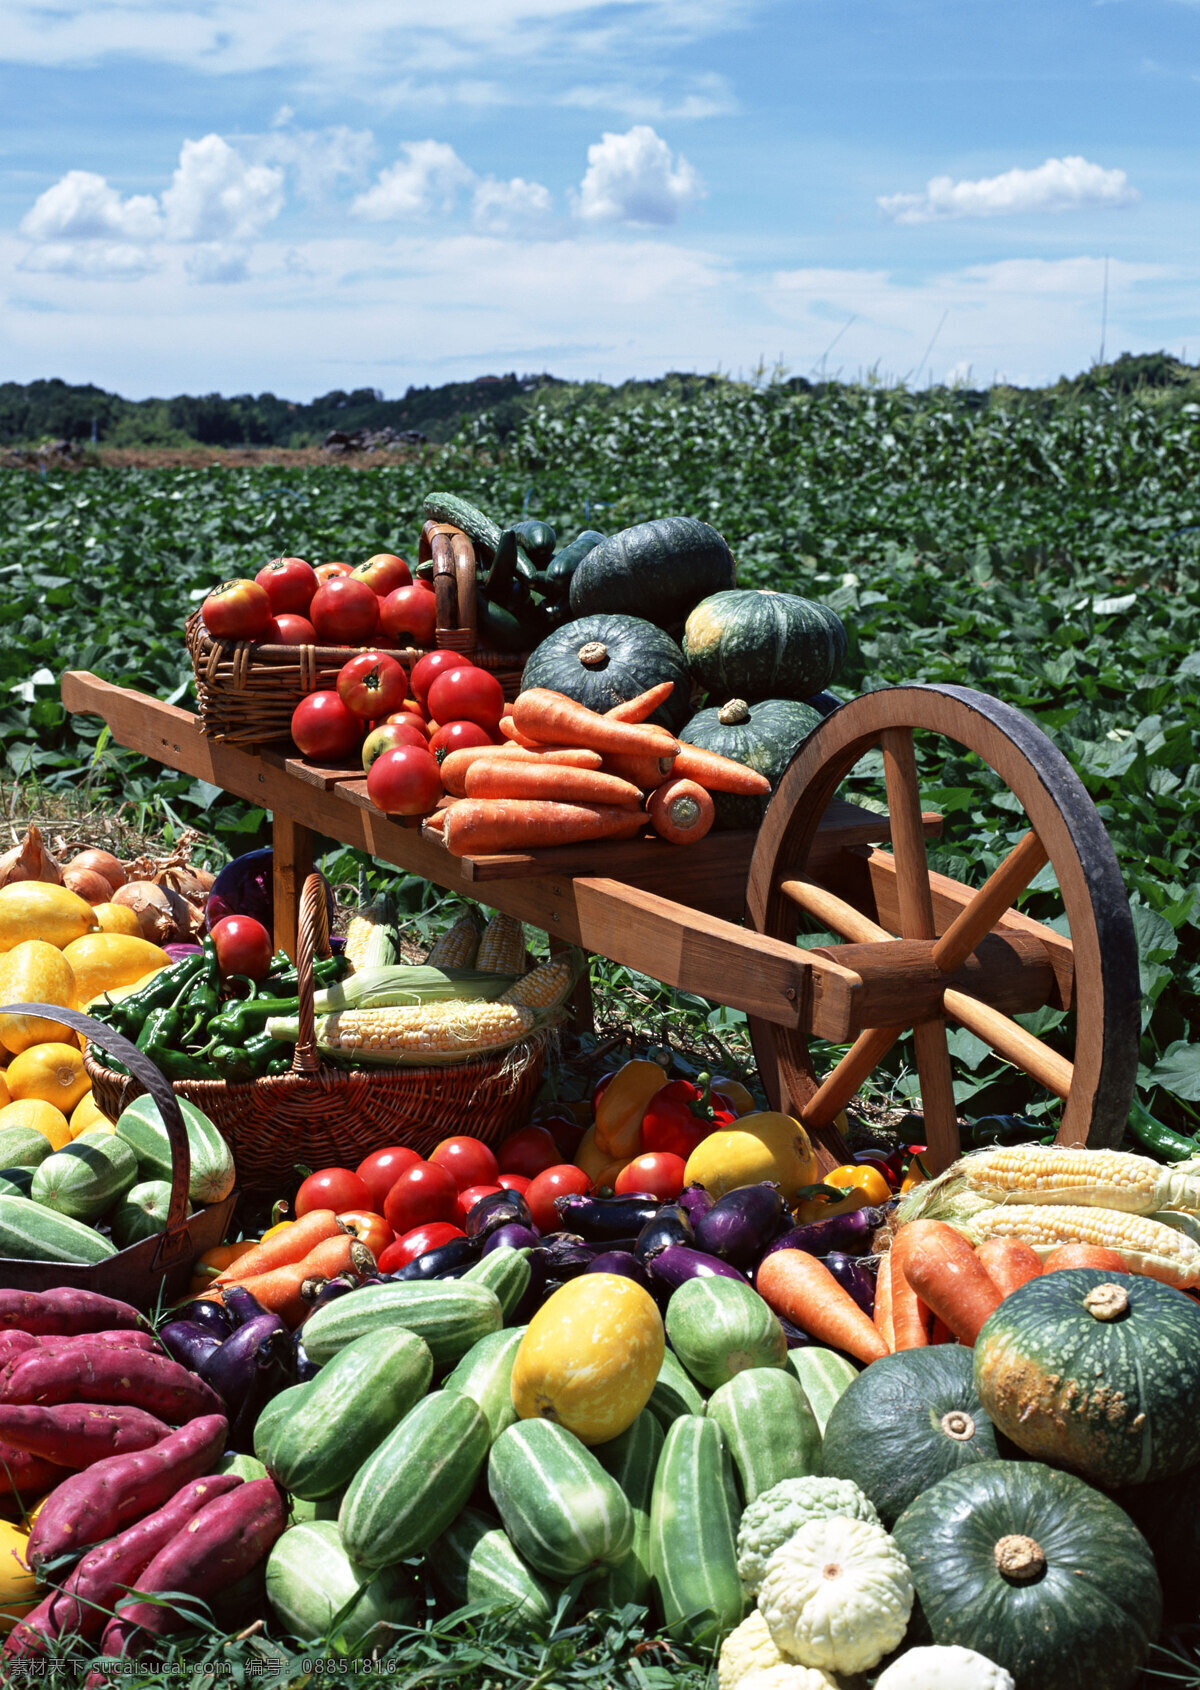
(916, 1175)
(618, 1129)
(864, 1186)
(597, 1164)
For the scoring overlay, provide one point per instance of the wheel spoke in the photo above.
(1010, 1040)
(833, 912)
(840, 1085)
(937, 1094)
(997, 895)
(908, 834)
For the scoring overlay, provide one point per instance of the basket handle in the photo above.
(312, 941)
(173, 1238)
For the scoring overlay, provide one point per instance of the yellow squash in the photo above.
(102, 962)
(51, 1073)
(33, 909)
(117, 918)
(590, 1357)
(42, 1117)
(34, 972)
(766, 1146)
(18, 1587)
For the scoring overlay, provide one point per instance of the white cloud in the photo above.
(708, 96)
(89, 260)
(214, 261)
(428, 178)
(497, 206)
(1061, 184)
(216, 196)
(632, 178)
(320, 159)
(82, 206)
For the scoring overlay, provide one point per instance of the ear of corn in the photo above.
(458, 946)
(432, 1033)
(502, 948)
(408, 983)
(1158, 1251)
(544, 987)
(1037, 1173)
(371, 938)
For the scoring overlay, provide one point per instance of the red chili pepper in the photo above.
(680, 1116)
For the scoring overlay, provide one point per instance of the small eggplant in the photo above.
(565, 1256)
(189, 1343)
(675, 1265)
(851, 1233)
(306, 1370)
(696, 1201)
(797, 1338)
(497, 1209)
(329, 1290)
(202, 1311)
(669, 1226)
(272, 1369)
(602, 1219)
(535, 1291)
(622, 1263)
(456, 1253)
(853, 1277)
(741, 1224)
(515, 1236)
(230, 1369)
(241, 1305)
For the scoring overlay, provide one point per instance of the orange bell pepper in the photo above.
(206, 1267)
(864, 1186)
(619, 1110)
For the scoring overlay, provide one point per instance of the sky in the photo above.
(301, 195)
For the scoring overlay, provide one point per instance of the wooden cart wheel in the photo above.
(934, 925)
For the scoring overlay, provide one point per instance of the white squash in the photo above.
(773, 1517)
(788, 1676)
(837, 1595)
(747, 1649)
(944, 1667)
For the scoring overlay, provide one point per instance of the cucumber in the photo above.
(565, 561)
(632, 1460)
(451, 1315)
(282, 1403)
(243, 1466)
(473, 1561)
(506, 1272)
(674, 1393)
(15, 1182)
(693, 1532)
(482, 531)
(23, 1147)
(717, 1327)
(770, 1431)
(538, 539)
(563, 1512)
(141, 1213)
(213, 1174)
(824, 1375)
(406, 1493)
(485, 1375)
(315, 1446)
(32, 1233)
(86, 1177)
(311, 1580)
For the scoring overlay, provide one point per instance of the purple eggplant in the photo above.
(853, 1277)
(797, 1338)
(740, 1225)
(306, 1370)
(603, 1219)
(851, 1233)
(669, 1226)
(330, 1290)
(535, 1291)
(231, 1368)
(516, 1237)
(189, 1343)
(696, 1201)
(272, 1368)
(497, 1209)
(620, 1262)
(675, 1265)
(241, 1305)
(565, 1256)
(455, 1253)
(202, 1311)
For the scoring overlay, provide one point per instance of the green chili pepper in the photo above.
(245, 1061)
(1162, 1141)
(162, 1027)
(204, 999)
(178, 1065)
(279, 1065)
(238, 1021)
(128, 1015)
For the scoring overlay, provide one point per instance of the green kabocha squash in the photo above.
(1035, 1570)
(904, 1423)
(763, 644)
(601, 661)
(764, 736)
(1097, 1372)
(658, 570)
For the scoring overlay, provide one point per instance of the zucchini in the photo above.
(770, 1430)
(693, 1532)
(632, 1460)
(483, 533)
(485, 1375)
(212, 1173)
(506, 1272)
(563, 1512)
(311, 1581)
(30, 1232)
(450, 1315)
(473, 1561)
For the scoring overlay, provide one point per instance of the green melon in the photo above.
(764, 736)
(763, 644)
(658, 570)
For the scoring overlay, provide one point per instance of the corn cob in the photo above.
(408, 983)
(544, 987)
(371, 938)
(502, 948)
(444, 1032)
(1160, 1252)
(457, 946)
(1037, 1173)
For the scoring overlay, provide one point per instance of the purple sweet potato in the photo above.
(222, 1543)
(79, 1434)
(90, 1506)
(64, 1310)
(26, 1474)
(85, 1601)
(108, 1373)
(14, 1343)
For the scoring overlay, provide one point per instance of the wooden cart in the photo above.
(720, 918)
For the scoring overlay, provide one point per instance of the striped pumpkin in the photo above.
(763, 644)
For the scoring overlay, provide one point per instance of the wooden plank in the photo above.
(292, 864)
(902, 983)
(310, 774)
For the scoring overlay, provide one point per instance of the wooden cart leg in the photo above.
(293, 863)
(582, 1010)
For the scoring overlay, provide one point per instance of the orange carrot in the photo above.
(911, 1320)
(513, 734)
(292, 1244)
(527, 824)
(941, 1333)
(1084, 1256)
(680, 811)
(435, 821)
(644, 772)
(550, 719)
(510, 777)
(456, 763)
(719, 774)
(882, 1319)
(802, 1290)
(279, 1290)
(1010, 1263)
(642, 707)
(946, 1274)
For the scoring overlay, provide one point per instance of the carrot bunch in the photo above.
(317, 1246)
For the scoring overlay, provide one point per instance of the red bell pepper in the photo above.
(681, 1115)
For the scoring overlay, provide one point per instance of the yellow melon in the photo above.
(590, 1357)
(86, 1117)
(51, 1073)
(44, 1118)
(117, 918)
(18, 1586)
(34, 972)
(33, 909)
(767, 1146)
(102, 962)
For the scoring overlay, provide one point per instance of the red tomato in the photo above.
(559, 1181)
(324, 729)
(410, 711)
(405, 782)
(243, 946)
(383, 573)
(565, 1131)
(369, 1228)
(332, 1188)
(459, 736)
(389, 736)
(426, 670)
(421, 1193)
(327, 571)
(527, 1152)
(409, 616)
(288, 629)
(468, 1197)
(289, 583)
(372, 685)
(237, 610)
(382, 1168)
(467, 1160)
(467, 695)
(658, 1176)
(514, 1182)
(415, 1243)
(344, 611)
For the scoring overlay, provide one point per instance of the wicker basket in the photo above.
(159, 1264)
(321, 1117)
(247, 692)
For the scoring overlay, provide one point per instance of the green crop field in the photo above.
(1046, 552)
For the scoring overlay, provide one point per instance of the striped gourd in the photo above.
(458, 946)
(563, 1512)
(23, 1147)
(311, 1580)
(717, 1327)
(86, 1177)
(770, 1430)
(406, 1493)
(284, 1402)
(485, 1375)
(449, 1315)
(15, 1182)
(241, 1466)
(474, 1561)
(674, 1393)
(347, 1411)
(213, 1174)
(30, 1232)
(824, 1375)
(632, 1460)
(506, 1272)
(315, 1508)
(141, 1213)
(693, 1532)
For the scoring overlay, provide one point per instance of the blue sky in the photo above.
(297, 195)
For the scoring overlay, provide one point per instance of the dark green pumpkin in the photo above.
(906, 1422)
(601, 661)
(761, 644)
(1095, 1371)
(1035, 1570)
(764, 736)
(658, 570)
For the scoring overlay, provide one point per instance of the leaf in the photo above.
(1179, 1070)
(1114, 607)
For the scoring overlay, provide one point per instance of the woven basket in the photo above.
(329, 1117)
(159, 1264)
(247, 692)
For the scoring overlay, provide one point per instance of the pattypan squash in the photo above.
(771, 1519)
(788, 1677)
(747, 1649)
(944, 1667)
(837, 1595)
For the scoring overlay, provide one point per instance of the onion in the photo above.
(30, 860)
(187, 916)
(101, 862)
(186, 882)
(87, 884)
(151, 906)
